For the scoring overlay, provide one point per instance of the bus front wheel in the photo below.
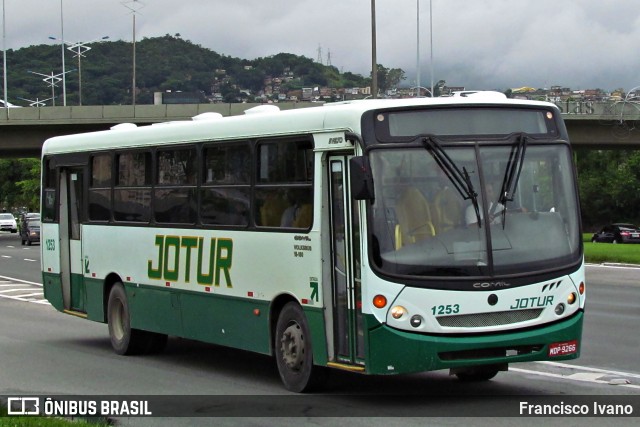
(478, 373)
(293, 351)
(124, 339)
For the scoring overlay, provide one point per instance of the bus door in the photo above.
(345, 258)
(71, 185)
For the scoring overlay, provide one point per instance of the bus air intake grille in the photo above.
(482, 320)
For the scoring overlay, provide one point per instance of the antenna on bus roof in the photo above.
(123, 126)
(207, 116)
(262, 109)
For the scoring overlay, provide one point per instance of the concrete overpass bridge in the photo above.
(23, 130)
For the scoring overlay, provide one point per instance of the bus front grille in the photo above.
(481, 320)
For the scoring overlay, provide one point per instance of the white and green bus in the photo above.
(378, 236)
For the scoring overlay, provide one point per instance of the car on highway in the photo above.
(617, 233)
(30, 231)
(26, 216)
(8, 222)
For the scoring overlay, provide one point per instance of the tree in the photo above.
(20, 188)
(389, 78)
(609, 182)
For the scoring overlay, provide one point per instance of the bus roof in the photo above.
(259, 122)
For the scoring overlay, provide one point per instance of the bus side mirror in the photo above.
(361, 178)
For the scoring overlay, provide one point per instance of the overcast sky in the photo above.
(479, 44)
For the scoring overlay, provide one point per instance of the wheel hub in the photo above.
(292, 346)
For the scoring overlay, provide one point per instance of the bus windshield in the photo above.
(497, 215)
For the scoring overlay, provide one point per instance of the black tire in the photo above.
(29, 243)
(124, 339)
(477, 373)
(294, 355)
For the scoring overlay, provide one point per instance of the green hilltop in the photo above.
(164, 64)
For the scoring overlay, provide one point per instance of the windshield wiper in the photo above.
(512, 174)
(459, 178)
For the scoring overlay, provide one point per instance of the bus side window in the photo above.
(49, 192)
(175, 192)
(284, 179)
(132, 194)
(100, 188)
(225, 191)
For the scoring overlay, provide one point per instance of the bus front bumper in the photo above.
(392, 351)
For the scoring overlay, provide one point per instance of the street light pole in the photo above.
(52, 80)
(4, 56)
(64, 81)
(418, 47)
(133, 86)
(134, 6)
(431, 41)
(80, 48)
(374, 63)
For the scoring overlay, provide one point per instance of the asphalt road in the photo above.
(43, 352)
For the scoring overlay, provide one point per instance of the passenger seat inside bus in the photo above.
(414, 218)
(272, 209)
(447, 210)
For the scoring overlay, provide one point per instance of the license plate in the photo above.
(635, 235)
(563, 348)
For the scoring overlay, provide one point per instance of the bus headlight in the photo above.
(559, 309)
(398, 311)
(571, 298)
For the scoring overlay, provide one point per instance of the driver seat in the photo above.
(414, 218)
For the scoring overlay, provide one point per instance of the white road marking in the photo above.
(28, 291)
(587, 368)
(14, 290)
(588, 374)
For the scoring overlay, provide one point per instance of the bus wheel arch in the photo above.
(274, 313)
(109, 281)
(122, 336)
(126, 340)
(293, 349)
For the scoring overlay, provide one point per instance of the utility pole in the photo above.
(134, 6)
(418, 48)
(64, 79)
(374, 63)
(431, 40)
(4, 57)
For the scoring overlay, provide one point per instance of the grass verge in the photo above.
(33, 421)
(597, 253)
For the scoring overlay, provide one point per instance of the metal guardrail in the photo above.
(120, 113)
(572, 110)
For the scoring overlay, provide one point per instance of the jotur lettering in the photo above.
(211, 268)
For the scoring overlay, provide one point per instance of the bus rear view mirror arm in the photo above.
(361, 178)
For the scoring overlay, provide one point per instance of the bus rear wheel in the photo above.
(293, 351)
(124, 339)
